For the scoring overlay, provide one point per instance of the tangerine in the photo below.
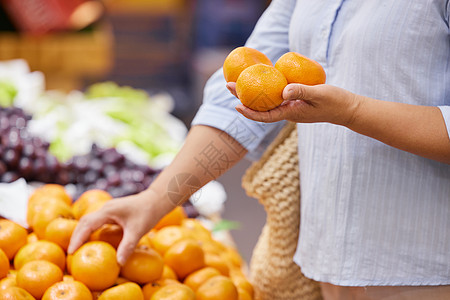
(32, 237)
(197, 278)
(185, 257)
(298, 68)
(7, 282)
(51, 190)
(37, 276)
(125, 291)
(59, 231)
(89, 197)
(168, 273)
(260, 87)
(110, 233)
(4, 264)
(95, 265)
(166, 237)
(241, 58)
(12, 237)
(174, 217)
(143, 266)
(217, 288)
(15, 293)
(152, 287)
(174, 292)
(67, 290)
(217, 262)
(40, 250)
(50, 210)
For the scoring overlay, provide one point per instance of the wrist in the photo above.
(354, 109)
(159, 202)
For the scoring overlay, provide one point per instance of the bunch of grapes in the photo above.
(24, 155)
(27, 156)
(108, 170)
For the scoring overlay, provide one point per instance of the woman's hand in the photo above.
(307, 104)
(136, 214)
(416, 129)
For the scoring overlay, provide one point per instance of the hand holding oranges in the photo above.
(259, 84)
(303, 98)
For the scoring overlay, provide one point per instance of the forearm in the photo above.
(206, 154)
(413, 128)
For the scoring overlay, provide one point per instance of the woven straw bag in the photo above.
(274, 181)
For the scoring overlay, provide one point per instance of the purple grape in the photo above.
(11, 158)
(39, 166)
(9, 176)
(113, 179)
(3, 168)
(25, 167)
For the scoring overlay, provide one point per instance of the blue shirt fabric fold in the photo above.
(370, 214)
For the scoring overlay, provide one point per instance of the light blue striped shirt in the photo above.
(370, 214)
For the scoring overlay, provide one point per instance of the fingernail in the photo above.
(290, 90)
(120, 261)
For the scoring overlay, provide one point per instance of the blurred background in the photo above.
(168, 46)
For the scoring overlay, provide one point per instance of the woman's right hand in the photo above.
(135, 214)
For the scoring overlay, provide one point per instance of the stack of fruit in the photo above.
(177, 259)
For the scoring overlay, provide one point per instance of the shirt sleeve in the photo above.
(445, 110)
(270, 36)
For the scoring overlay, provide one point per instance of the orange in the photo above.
(233, 256)
(196, 229)
(298, 68)
(243, 284)
(32, 237)
(121, 280)
(213, 247)
(7, 282)
(59, 231)
(50, 210)
(260, 87)
(174, 217)
(143, 266)
(89, 197)
(168, 273)
(145, 241)
(197, 278)
(12, 237)
(4, 264)
(244, 295)
(50, 190)
(95, 265)
(67, 290)
(37, 276)
(241, 58)
(166, 237)
(185, 257)
(217, 262)
(94, 207)
(69, 263)
(15, 293)
(126, 291)
(152, 287)
(217, 288)
(110, 233)
(68, 278)
(174, 292)
(40, 250)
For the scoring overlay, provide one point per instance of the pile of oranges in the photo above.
(259, 84)
(178, 259)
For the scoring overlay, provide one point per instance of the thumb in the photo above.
(295, 91)
(126, 246)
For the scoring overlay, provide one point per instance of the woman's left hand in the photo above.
(307, 104)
